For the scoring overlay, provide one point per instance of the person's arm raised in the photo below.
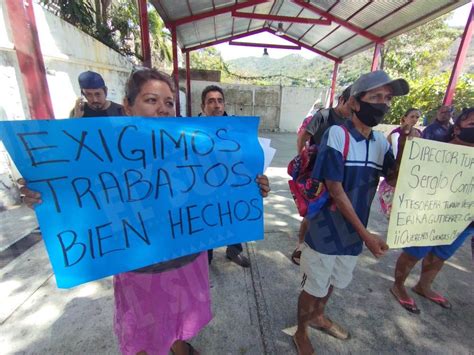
(78, 110)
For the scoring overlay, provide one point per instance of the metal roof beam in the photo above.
(376, 57)
(223, 40)
(253, 16)
(30, 58)
(339, 21)
(216, 12)
(263, 45)
(333, 83)
(460, 57)
(144, 33)
(312, 49)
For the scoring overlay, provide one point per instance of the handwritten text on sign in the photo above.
(121, 193)
(434, 197)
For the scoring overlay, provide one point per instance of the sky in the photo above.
(228, 52)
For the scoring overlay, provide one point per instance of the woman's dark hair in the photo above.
(410, 110)
(138, 78)
(457, 122)
(466, 111)
(345, 95)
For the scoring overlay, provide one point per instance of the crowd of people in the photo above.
(153, 320)
(335, 237)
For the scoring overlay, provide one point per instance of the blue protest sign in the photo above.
(120, 193)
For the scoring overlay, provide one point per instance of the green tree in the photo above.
(420, 52)
(161, 39)
(207, 58)
(88, 18)
(427, 94)
(116, 25)
(78, 13)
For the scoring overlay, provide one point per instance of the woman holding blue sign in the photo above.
(159, 307)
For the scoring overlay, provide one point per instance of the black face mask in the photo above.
(467, 134)
(371, 114)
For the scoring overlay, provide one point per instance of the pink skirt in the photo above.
(152, 311)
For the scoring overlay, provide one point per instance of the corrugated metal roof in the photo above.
(202, 22)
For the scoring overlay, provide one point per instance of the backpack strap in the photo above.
(346, 142)
(345, 152)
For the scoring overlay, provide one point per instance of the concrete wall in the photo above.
(67, 52)
(280, 108)
(295, 104)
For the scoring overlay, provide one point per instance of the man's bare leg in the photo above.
(306, 307)
(318, 318)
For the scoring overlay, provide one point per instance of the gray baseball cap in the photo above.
(376, 79)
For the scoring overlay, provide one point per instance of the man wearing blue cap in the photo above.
(350, 161)
(94, 90)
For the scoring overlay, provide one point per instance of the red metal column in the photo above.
(188, 85)
(376, 58)
(144, 33)
(30, 58)
(460, 57)
(174, 43)
(333, 83)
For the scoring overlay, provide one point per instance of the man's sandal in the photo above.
(438, 299)
(409, 304)
(334, 330)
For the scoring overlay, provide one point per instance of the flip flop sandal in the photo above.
(408, 304)
(438, 299)
(296, 256)
(335, 330)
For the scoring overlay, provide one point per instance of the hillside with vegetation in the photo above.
(424, 57)
(296, 70)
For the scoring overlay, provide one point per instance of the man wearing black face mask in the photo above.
(350, 161)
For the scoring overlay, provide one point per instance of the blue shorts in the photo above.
(441, 251)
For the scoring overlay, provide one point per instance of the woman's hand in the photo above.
(263, 184)
(30, 197)
(409, 131)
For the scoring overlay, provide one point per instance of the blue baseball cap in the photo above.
(91, 80)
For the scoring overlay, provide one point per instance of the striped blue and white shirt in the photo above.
(367, 159)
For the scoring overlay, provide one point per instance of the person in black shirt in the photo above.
(94, 90)
(312, 133)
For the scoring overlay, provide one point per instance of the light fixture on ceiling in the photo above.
(265, 52)
(280, 31)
